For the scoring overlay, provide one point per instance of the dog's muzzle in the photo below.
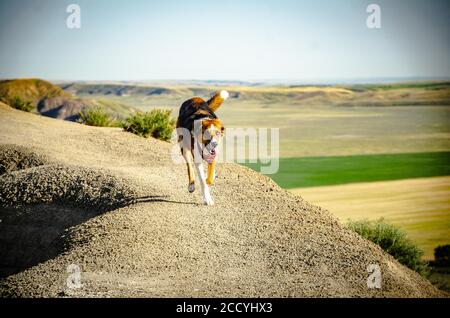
(209, 156)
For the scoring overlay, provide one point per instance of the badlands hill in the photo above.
(396, 94)
(50, 100)
(116, 205)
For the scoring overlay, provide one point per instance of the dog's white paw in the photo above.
(208, 200)
(191, 187)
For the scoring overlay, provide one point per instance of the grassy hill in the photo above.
(29, 89)
(51, 100)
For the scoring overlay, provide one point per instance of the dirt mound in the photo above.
(13, 158)
(258, 240)
(66, 185)
(39, 203)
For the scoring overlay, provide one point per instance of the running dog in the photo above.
(199, 134)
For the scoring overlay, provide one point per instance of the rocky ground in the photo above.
(115, 205)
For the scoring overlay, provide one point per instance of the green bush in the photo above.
(393, 240)
(19, 103)
(442, 255)
(96, 116)
(156, 123)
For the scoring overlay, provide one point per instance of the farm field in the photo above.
(420, 206)
(321, 171)
(314, 121)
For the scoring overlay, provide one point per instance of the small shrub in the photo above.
(20, 104)
(96, 116)
(156, 123)
(442, 255)
(393, 240)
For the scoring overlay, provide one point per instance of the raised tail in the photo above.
(217, 100)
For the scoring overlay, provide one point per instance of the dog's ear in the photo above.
(206, 123)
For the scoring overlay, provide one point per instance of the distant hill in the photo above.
(67, 99)
(51, 100)
(114, 89)
(29, 89)
(392, 94)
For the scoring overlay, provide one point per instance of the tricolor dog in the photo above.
(199, 134)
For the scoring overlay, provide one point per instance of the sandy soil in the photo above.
(117, 206)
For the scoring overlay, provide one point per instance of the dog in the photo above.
(200, 132)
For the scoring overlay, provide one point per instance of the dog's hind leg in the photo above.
(205, 189)
(187, 155)
(191, 186)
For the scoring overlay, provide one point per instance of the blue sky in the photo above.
(226, 40)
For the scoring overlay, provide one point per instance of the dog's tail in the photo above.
(217, 100)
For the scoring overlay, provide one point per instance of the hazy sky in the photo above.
(234, 40)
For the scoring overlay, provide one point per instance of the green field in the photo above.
(321, 171)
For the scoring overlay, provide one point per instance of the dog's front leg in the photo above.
(205, 189)
(211, 173)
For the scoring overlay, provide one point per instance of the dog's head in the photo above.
(212, 133)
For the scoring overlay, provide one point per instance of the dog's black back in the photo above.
(193, 109)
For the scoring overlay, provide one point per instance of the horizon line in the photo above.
(317, 81)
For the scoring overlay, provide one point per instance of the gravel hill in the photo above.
(116, 205)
